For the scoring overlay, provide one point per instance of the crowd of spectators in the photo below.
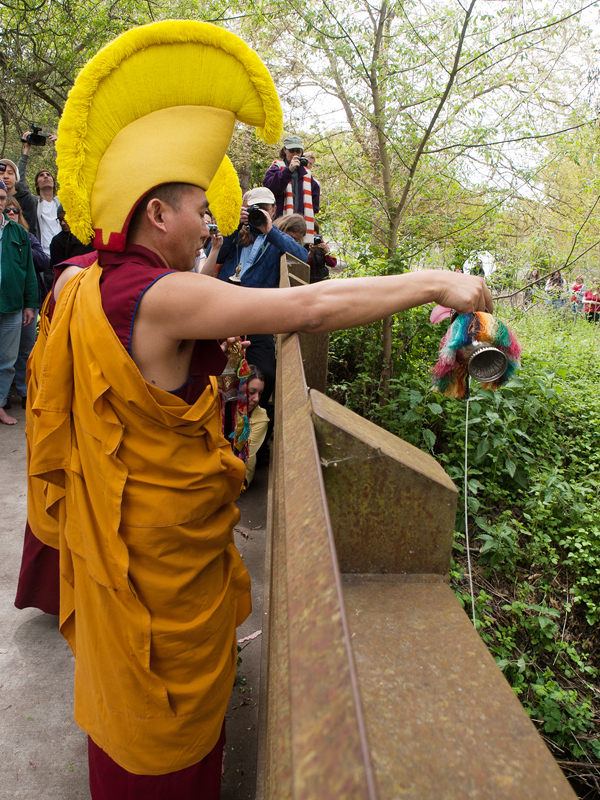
(579, 296)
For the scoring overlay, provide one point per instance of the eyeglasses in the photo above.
(3, 168)
(12, 210)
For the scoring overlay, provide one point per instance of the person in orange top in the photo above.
(125, 425)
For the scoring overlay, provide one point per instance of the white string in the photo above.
(466, 514)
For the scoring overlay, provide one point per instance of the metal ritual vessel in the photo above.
(485, 362)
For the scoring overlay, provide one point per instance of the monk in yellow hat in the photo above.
(124, 434)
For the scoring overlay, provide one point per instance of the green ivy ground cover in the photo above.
(533, 501)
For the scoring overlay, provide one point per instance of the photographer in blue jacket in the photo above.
(250, 257)
(257, 245)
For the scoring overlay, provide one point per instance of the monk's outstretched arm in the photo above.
(187, 306)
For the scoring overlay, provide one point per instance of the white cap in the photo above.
(15, 168)
(260, 195)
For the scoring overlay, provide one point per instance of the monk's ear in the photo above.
(155, 214)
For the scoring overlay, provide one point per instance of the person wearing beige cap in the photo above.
(295, 190)
(251, 255)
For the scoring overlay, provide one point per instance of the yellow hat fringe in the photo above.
(72, 130)
(224, 196)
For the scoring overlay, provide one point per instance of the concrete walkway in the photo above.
(44, 753)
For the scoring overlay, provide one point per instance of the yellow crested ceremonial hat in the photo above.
(158, 105)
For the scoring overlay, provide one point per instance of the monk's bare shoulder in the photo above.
(65, 276)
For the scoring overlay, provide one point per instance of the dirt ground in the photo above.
(44, 753)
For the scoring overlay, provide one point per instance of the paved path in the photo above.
(44, 753)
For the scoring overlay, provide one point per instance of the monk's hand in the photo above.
(464, 293)
(28, 316)
(232, 340)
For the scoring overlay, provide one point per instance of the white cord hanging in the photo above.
(466, 512)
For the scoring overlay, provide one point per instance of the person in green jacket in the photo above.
(18, 298)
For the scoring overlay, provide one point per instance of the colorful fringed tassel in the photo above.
(241, 435)
(450, 373)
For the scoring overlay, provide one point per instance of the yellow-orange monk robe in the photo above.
(39, 493)
(152, 586)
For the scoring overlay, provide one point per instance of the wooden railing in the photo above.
(374, 683)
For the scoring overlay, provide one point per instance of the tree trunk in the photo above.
(245, 170)
(386, 372)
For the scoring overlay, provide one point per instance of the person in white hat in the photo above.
(252, 254)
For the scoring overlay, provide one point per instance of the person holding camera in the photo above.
(290, 180)
(319, 258)
(256, 247)
(46, 204)
(250, 257)
(206, 262)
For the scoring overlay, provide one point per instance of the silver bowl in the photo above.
(484, 362)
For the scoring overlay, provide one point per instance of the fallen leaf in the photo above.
(256, 528)
(3, 651)
(249, 638)
(70, 767)
(31, 764)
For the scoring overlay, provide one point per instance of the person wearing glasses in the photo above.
(46, 202)
(9, 173)
(18, 298)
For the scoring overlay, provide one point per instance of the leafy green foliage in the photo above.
(533, 499)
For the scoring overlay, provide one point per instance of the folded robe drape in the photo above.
(152, 587)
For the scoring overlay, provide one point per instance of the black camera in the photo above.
(304, 162)
(256, 216)
(318, 240)
(36, 138)
(213, 229)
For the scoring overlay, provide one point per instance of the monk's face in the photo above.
(187, 230)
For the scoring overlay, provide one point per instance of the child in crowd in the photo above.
(592, 303)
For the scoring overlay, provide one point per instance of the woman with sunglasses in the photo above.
(41, 263)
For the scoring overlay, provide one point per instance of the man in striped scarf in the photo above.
(295, 190)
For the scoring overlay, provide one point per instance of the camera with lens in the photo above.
(213, 229)
(318, 240)
(304, 162)
(256, 216)
(36, 137)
